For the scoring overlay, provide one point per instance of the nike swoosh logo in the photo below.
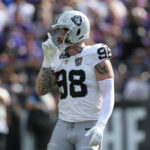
(87, 129)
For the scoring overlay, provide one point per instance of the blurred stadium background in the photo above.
(124, 25)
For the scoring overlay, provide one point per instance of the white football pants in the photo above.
(71, 136)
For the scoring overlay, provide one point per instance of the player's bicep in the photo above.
(104, 70)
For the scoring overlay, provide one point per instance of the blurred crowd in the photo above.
(124, 25)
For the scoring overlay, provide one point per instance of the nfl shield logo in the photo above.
(78, 61)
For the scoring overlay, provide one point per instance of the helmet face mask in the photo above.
(71, 27)
(59, 36)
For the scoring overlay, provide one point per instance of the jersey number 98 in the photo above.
(76, 78)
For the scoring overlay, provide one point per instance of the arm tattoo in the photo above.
(78, 49)
(46, 80)
(102, 68)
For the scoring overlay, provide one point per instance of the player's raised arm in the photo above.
(46, 79)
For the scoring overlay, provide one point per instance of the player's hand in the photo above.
(49, 50)
(97, 135)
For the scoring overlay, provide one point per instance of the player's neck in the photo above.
(75, 49)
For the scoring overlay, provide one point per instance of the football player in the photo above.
(85, 79)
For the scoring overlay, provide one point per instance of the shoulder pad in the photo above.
(98, 53)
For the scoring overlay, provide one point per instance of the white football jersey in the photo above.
(80, 98)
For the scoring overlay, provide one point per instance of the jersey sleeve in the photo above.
(99, 53)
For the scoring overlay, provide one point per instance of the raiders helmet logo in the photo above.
(77, 20)
(78, 61)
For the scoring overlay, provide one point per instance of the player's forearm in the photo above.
(44, 81)
(107, 91)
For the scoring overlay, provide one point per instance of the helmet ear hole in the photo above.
(78, 32)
